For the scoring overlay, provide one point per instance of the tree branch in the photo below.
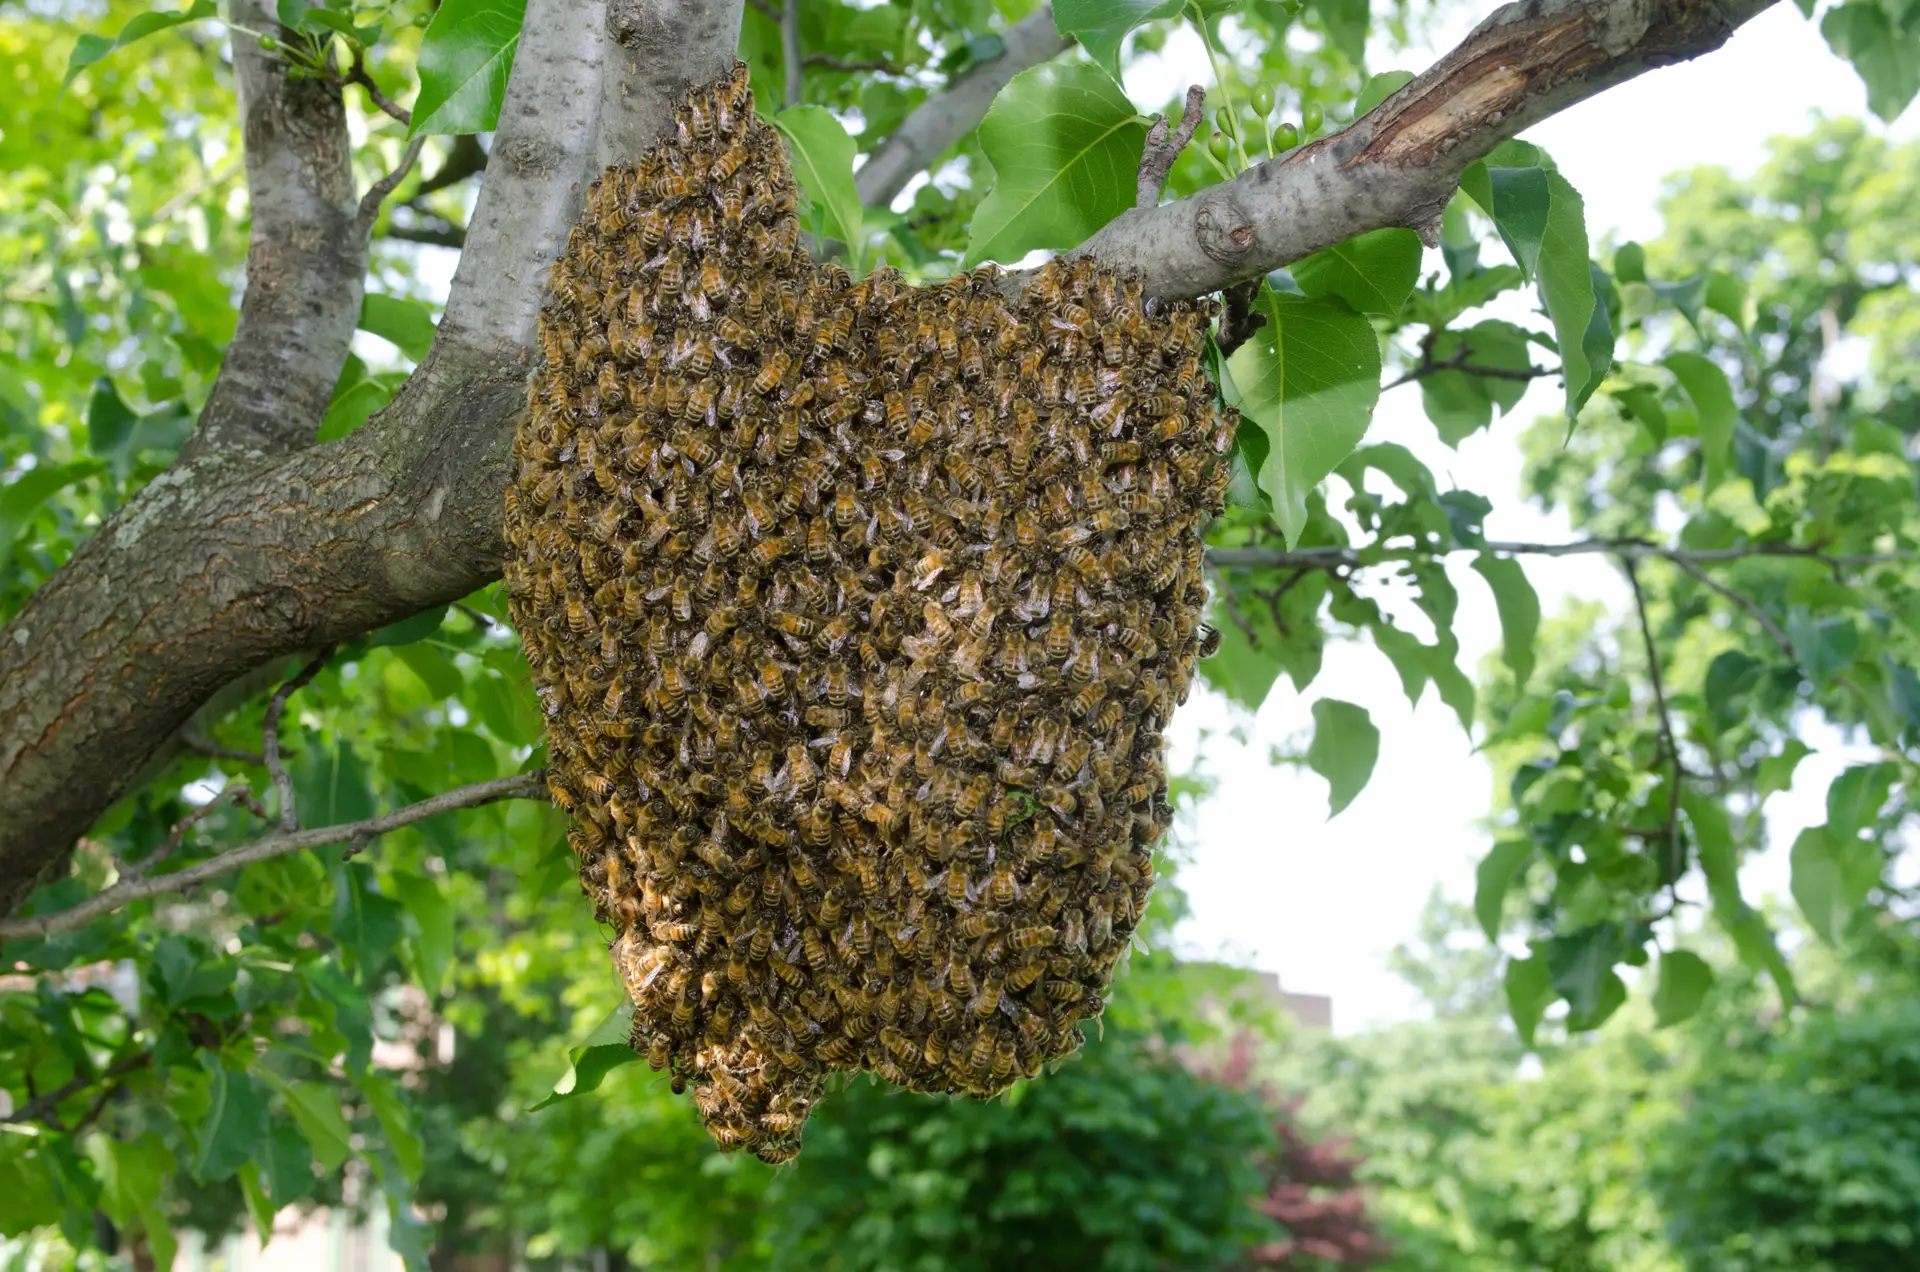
(306, 258)
(1398, 164)
(443, 234)
(270, 737)
(519, 786)
(940, 121)
(464, 159)
(1665, 718)
(849, 67)
(358, 75)
(1157, 156)
(1428, 365)
(796, 71)
(45, 1108)
(226, 563)
(377, 193)
(656, 51)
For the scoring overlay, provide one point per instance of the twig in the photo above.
(833, 63)
(358, 75)
(377, 193)
(790, 52)
(1156, 160)
(466, 158)
(446, 234)
(1458, 362)
(235, 792)
(45, 1108)
(520, 786)
(1665, 719)
(270, 737)
(214, 751)
(765, 7)
(1746, 603)
(480, 620)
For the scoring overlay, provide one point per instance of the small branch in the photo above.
(519, 786)
(445, 234)
(46, 1108)
(214, 751)
(1156, 159)
(237, 792)
(479, 619)
(270, 734)
(790, 52)
(466, 158)
(1746, 603)
(1428, 365)
(1665, 719)
(377, 193)
(358, 75)
(943, 119)
(833, 63)
(765, 8)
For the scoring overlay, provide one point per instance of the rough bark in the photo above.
(1398, 164)
(228, 562)
(941, 120)
(306, 260)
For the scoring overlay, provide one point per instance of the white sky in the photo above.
(1272, 882)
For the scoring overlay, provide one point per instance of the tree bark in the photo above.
(230, 560)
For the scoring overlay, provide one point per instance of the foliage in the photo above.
(201, 1061)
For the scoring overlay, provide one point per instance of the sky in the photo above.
(1272, 882)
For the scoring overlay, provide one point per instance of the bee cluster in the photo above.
(856, 611)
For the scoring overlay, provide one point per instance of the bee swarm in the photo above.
(856, 611)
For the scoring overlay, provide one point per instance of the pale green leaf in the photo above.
(89, 49)
(1706, 386)
(1309, 378)
(408, 324)
(1374, 272)
(1065, 145)
(1346, 743)
(1685, 979)
(465, 57)
(1519, 607)
(823, 165)
(1505, 862)
(606, 1049)
(1102, 25)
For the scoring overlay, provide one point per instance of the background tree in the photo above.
(264, 732)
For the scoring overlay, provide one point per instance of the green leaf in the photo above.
(1519, 607)
(1712, 397)
(1378, 88)
(1580, 963)
(258, 1206)
(21, 498)
(1581, 333)
(330, 784)
(235, 1123)
(316, 1111)
(1730, 677)
(1720, 862)
(465, 56)
(823, 164)
(1856, 797)
(1309, 378)
(442, 679)
(1345, 745)
(384, 1098)
(1887, 60)
(606, 1049)
(1685, 979)
(289, 1166)
(1832, 875)
(1630, 263)
(366, 924)
(1727, 295)
(110, 421)
(91, 48)
(1101, 25)
(1824, 646)
(1775, 773)
(1374, 273)
(1505, 862)
(432, 927)
(1065, 146)
(1460, 403)
(1529, 993)
(408, 324)
(408, 630)
(1519, 201)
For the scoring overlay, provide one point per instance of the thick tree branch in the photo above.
(225, 563)
(306, 258)
(520, 786)
(945, 118)
(1398, 164)
(656, 51)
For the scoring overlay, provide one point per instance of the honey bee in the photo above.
(771, 372)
